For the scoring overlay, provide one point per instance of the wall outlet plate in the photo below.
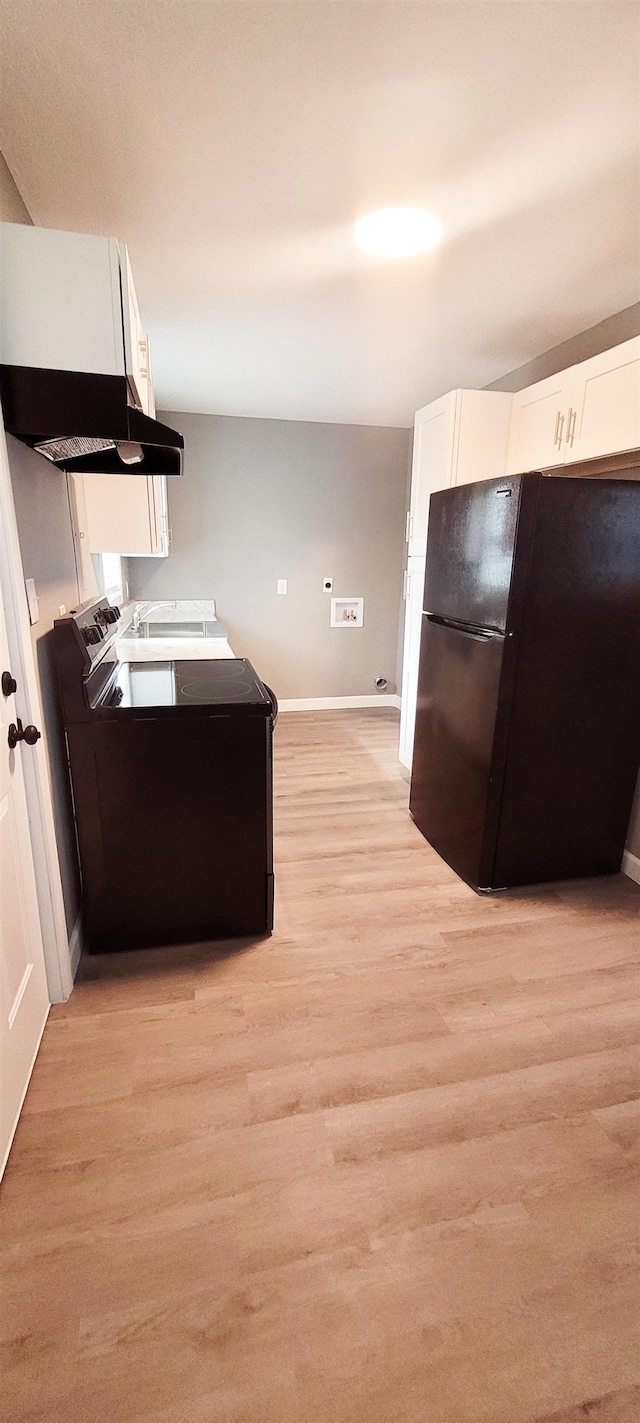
(347, 612)
(282, 585)
(327, 585)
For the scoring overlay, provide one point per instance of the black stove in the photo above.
(221, 683)
(171, 771)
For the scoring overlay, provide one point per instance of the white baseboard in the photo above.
(75, 945)
(301, 704)
(631, 866)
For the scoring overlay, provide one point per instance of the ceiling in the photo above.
(232, 145)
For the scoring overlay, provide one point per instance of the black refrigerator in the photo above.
(527, 735)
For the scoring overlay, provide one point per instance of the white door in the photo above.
(605, 415)
(24, 997)
(539, 418)
(411, 657)
(433, 442)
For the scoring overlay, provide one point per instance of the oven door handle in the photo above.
(274, 702)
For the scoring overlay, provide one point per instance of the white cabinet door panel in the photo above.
(120, 513)
(539, 423)
(135, 341)
(60, 300)
(432, 463)
(482, 441)
(606, 404)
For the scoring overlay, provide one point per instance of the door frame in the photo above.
(36, 769)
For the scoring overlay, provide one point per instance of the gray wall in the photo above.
(46, 543)
(611, 332)
(12, 208)
(268, 499)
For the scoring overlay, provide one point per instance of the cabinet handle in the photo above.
(571, 425)
(144, 351)
(557, 438)
(405, 583)
(408, 527)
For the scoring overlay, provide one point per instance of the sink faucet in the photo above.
(146, 608)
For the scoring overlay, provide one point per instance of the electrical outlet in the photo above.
(327, 585)
(62, 610)
(282, 585)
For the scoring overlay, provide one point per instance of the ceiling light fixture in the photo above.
(397, 232)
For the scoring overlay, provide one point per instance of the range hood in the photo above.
(83, 423)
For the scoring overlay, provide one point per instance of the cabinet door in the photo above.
(150, 407)
(161, 533)
(605, 414)
(539, 423)
(411, 658)
(136, 345)
(433, 442)
(60, 302)
(124, 515)
(482, 435)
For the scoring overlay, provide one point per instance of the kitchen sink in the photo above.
(176, 630)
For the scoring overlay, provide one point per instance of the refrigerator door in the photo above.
(451, 783)
(470, 551)
(574, 735)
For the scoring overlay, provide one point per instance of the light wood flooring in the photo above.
(378, 1169)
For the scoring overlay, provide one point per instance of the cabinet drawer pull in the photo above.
(557, 439)
(571, 425)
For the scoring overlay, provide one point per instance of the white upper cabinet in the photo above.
(458, 439)
(136, 343)
(590, 410)
(482, 435)
(539, 419)
(126, 514)
(60, 300)
(605, 416)
(68, 303)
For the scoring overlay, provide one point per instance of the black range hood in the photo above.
(83, 423)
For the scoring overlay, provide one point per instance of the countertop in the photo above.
(172, 649)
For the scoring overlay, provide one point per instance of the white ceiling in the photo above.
(232, 145)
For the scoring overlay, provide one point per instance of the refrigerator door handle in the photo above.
(467, 629)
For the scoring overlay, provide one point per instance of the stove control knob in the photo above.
(92, 634)
(111, 615)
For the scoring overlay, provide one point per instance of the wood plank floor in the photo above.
(381, 1168)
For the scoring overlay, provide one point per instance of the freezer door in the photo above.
(452, 782)
(470, 551)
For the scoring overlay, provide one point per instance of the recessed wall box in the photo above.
(347, 612)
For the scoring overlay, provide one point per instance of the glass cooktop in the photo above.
(228, 682)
